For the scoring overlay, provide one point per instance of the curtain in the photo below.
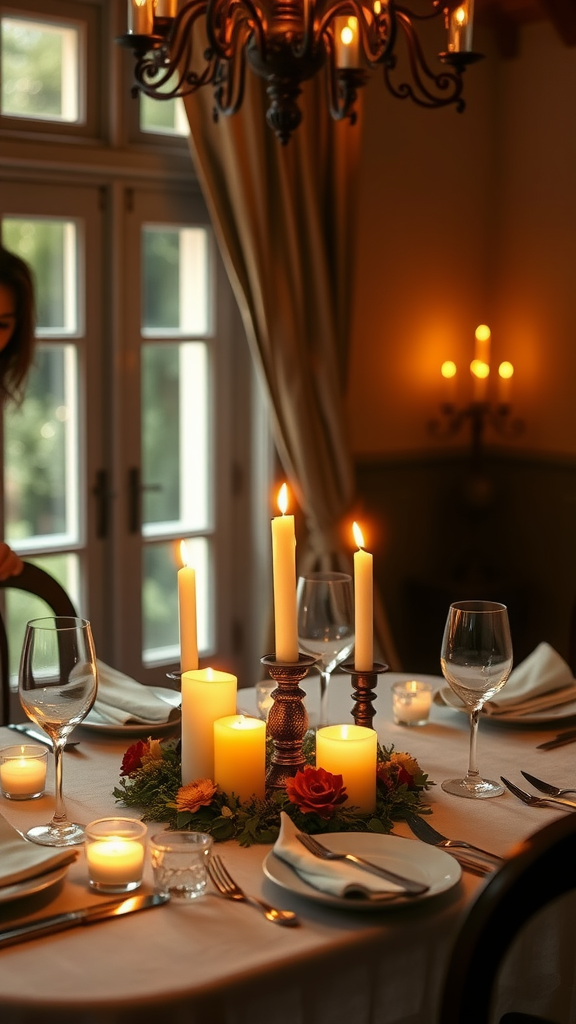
(284, 220)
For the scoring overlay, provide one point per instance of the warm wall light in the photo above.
(505, 374)
(448, 369)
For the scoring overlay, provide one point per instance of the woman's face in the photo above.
(7, 315)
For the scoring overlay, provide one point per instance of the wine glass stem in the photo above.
(324, 680)
(473, 774)
(59, 810)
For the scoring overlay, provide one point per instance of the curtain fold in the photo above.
(284, 219)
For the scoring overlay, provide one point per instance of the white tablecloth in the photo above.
(219, 961)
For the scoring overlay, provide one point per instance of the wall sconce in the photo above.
(480, 412)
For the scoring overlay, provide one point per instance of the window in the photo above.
(40, 69)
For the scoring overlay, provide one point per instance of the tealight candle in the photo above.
(206, 695)
(115, 854)
(23, 771)
(350, 751)
(411, 702)
(240, 756)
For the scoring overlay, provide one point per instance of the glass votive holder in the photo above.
(23, 771)
(115, 854)
(411, 702)
(179, 861)
(264, 699)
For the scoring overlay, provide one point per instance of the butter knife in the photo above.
(563, 737)
(39, 736)
(89, 915)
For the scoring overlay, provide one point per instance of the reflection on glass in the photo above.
(176, 281)
(41, 456)
(175, 437)
(21, 607)
(160, 635)
(49, 246)
(40, 61)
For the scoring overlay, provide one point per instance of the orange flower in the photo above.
(154, 752)
(195, 795)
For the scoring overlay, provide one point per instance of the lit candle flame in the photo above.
(283, 499)
(483, 332)
(184, 553)
(448, 369)
(358, 535)
(460, 16)
(479, 369)
(506, 370)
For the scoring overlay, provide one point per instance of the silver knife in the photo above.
(59, 922)
(563, 737)
(38, 735)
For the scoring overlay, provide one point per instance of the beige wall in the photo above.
(463, 219)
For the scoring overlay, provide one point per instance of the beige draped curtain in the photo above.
(284, 220)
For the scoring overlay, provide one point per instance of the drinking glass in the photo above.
(326, 624)
(476, 661)
(57, 686)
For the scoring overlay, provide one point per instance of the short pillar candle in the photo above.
(350, 751)
(240, 756)
(206, 695)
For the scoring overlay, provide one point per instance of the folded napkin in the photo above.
(21, 859)
(121, 699)
(338, 878)
(543, 680)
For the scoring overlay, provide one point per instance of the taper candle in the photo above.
(187, 614)
(206, 696)
(284, 570)
(363, 605)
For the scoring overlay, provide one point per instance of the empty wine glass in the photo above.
(476, 661)
(326, 624)
(57, 686)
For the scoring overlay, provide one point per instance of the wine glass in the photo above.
(326, 624)
(57, 686)
(476, 661)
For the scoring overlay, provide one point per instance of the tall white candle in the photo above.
(363, 606)
(284, 569)
(206, 696)
(240, 755)
(350, 751)
(187, 614)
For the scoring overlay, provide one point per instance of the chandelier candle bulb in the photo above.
(347, 42)
(350, 751)
(206, 696)
(240, 756)
(284, 572)
(482, 336)
(187, 614)
(23, 771)
(140, 17)
(505, 374)
(363, 605)
(115, 854)
(449, 371)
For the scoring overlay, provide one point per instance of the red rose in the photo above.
(316, 791)
(132, 759)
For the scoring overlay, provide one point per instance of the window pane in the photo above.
(50, 248)
(40, 454)
(40, 70)
(163, 117)
(161, 641)
(176, 281)
(21, 607)
(175, 437)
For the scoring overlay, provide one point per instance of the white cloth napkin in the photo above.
(543, 680)
(20, 859)
(338, 878)
(121, 699)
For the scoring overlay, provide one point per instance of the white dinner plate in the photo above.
(410, 857)
(32, 885)
(172, 697)
(445, 698)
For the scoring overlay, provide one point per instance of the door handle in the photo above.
(102, 495)
(135, 489)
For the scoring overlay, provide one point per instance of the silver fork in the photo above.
(424, 831)
(411, 887)
(226, 886)
(546, 787)
(537, 801)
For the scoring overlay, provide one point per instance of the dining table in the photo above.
(219, 961)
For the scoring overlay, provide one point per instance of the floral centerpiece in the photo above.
(315, 799)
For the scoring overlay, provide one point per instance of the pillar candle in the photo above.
(240, 756)
(284, 570)
(187, 614)
(350, 751)
(206, 695)
(363, 606)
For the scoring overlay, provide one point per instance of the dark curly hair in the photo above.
(16, 357)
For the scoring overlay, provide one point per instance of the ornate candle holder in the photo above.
(364, 691)
(287, 718)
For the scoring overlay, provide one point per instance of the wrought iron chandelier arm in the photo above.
(227, 21)
(447, 83)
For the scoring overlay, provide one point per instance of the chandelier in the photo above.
(181, 48)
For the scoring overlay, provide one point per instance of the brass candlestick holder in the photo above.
(364, 691)
(287, 718)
